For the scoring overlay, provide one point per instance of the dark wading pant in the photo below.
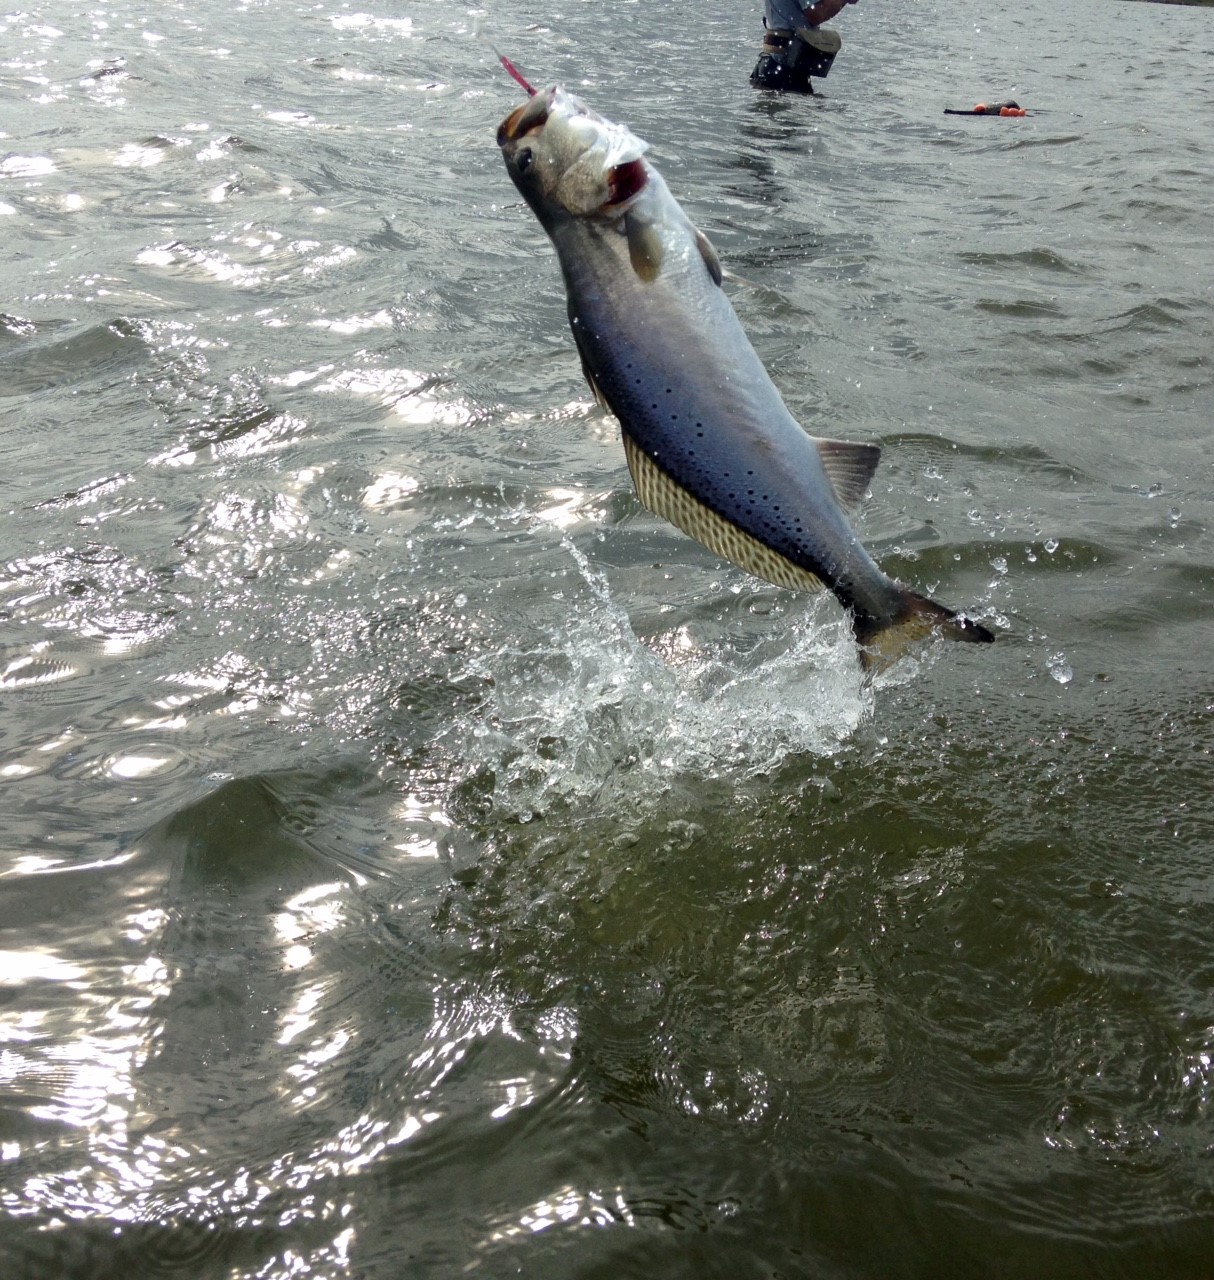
(773, 72)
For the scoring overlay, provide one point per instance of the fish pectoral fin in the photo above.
(850, 468)
(665, 497)
(644, 247)
(709, 254)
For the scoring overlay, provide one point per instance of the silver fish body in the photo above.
(710, 443)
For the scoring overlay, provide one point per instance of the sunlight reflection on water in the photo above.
(418, 858)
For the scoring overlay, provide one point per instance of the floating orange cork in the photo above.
(1004, 109)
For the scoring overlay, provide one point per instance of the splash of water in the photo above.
(592, 708)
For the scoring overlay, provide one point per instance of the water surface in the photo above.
(419, 860)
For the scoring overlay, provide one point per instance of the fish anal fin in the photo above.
(665, 497)
(709, 254)
(850, 468)
(644, 247)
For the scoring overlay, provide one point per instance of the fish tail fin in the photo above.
(884, 640)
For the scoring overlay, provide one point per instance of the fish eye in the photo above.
(523, 160)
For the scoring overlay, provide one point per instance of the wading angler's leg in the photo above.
(775, 68)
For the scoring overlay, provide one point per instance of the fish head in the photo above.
(569, 162)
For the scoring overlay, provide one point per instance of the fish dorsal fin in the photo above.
(644, 247)
(665, 497)
(709, 254)
(850, 468)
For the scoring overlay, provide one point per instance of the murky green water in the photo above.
(418, 860)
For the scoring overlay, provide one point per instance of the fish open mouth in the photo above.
(625, 181)
(533, 114)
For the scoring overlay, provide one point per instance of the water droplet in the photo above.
(1058, 667)
(1051, 545)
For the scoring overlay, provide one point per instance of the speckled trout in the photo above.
(709, 442)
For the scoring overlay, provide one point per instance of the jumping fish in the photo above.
(709, 442)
